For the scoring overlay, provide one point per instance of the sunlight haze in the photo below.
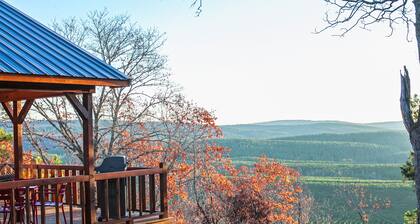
(252, 61)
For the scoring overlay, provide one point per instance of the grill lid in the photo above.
(113, 164)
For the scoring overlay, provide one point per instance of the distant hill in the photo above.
(392, 125)
(335, 141)
(288, 128)
(332, 151)
(397, 139)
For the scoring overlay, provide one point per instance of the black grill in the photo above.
(112, 164)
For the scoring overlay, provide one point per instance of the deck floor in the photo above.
(77, 216)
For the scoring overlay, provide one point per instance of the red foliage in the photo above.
(204, 185)
(6, 153)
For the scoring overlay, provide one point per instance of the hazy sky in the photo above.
(253, 60)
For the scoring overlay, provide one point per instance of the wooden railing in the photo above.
(144, 191)
(50, 171)
(26, 195)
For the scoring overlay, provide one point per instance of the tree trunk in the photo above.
(417, 25)
(415, 142)
(416, 148)
(413, 129)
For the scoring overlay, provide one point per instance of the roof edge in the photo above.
(62, 80)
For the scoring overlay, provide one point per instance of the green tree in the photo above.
(407, 170)
(410, 217)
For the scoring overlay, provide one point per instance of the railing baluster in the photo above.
(82, 200)
(68, 187)
(133, 194)
(75, 192)
(106, 199)
(12, 206)
(118, 198)
(152, 193)
(49, 175)
(42, 195)
(70, 200)
(129, 198)
(57, 209)
(140, 197)
(142, 193)
(27, 206)
(163, 191)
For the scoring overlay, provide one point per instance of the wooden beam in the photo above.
(46, 87)
(10, 77)
(26, 107)
(17, 140)
(8, 110)
(25, 95)
(80, 109)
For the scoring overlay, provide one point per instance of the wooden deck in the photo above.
(77, 217)
(139, 193)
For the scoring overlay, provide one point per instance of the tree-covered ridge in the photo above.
(280, 129)
(355, 152)
(398, 139)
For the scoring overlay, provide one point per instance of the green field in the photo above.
(330, 155)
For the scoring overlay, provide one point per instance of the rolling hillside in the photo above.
(330, 155)
(397, 139)
(332, 151)
(278, 129)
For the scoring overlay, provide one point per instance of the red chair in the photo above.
(5, 209)
(50, 194)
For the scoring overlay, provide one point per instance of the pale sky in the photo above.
(254, 60)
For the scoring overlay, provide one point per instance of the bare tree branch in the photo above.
(117, 112)
(345, 15)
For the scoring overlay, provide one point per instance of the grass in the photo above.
(326, 195)
(349, 180)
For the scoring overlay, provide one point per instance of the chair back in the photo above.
(4, 195)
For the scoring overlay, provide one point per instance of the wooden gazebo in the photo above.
(35, 63)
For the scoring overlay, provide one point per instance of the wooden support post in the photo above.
(163, 178)
(17, 115)
(17, 140)
(89, 159)
(84, 110)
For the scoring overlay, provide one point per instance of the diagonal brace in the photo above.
(21, 115)
(8, 109)
(80, 109)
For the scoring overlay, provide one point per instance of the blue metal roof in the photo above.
(28, 47)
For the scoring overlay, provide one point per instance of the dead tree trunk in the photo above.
(417, 24)
(413, 129)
